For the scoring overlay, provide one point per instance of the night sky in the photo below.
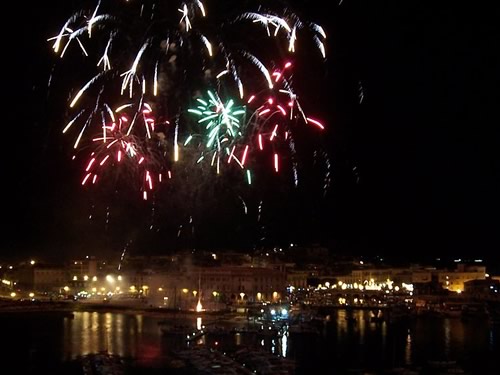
(409, 95)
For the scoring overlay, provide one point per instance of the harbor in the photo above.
(151, 342)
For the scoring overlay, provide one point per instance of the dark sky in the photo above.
(415, 163)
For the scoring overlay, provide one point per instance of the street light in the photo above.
(275, 296)
(216, 295)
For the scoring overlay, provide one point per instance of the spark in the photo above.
(152, 64)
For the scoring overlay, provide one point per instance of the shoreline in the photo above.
(69, 308)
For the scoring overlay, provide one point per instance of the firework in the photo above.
(168, 84)
(264, 124)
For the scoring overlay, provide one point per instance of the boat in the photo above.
(177, 330)
(474, 311)
(402, 371)
(268, 331)
(102, 363)
(128, 300)
(451, 309)
(401, 313)
(446, 367)
(493, 312)
(93, 299)
(214, 330)
(303, 328)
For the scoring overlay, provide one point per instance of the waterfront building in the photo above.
(455, 280)
(486, 289)
(216, 287)
(41, 277)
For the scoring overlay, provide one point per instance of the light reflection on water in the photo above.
(447, 337)
(127, 335)
(408, 360)
(92, 332)
(343, 343)
(133, 335)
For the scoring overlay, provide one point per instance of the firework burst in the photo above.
(192, 107)
(148, 60)
(264, 124)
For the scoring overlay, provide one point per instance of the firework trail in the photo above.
(148, 62)
(181, 103)
(361, 92)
